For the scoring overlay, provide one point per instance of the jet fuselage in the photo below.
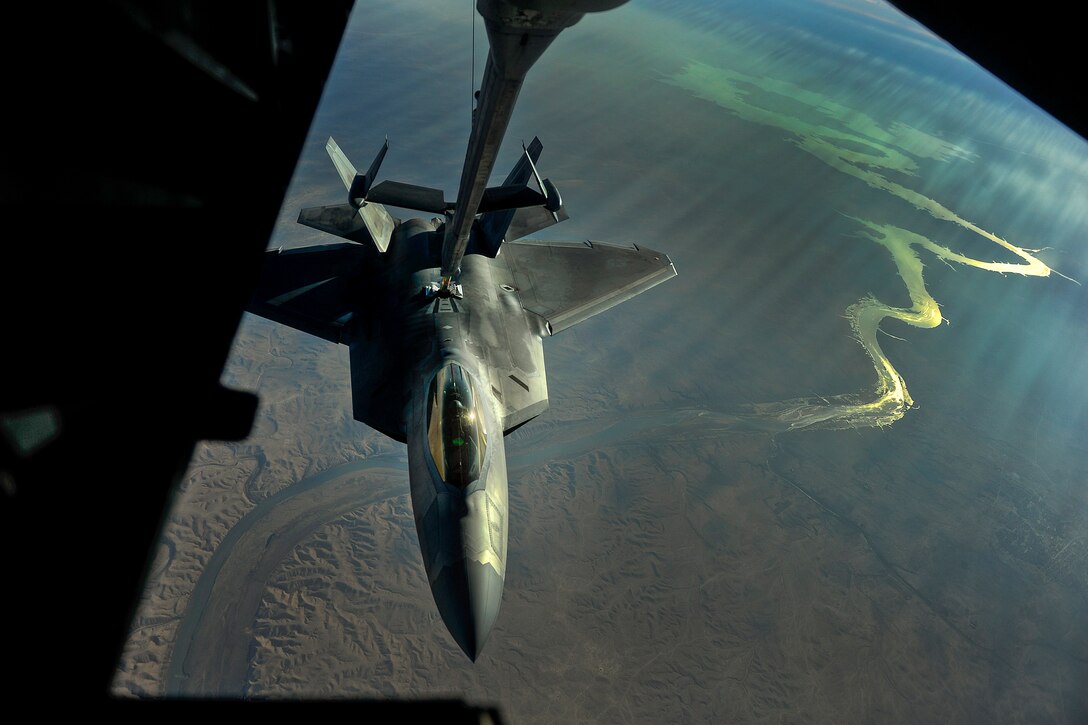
(448, 353)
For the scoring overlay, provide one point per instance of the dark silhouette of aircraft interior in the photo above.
(148, 149)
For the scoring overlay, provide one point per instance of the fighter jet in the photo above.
(444, 318)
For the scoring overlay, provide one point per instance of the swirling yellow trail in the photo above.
(856, 144)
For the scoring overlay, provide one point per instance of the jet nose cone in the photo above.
(468, 595)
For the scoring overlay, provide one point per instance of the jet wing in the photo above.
(567, 282)
(309, 288)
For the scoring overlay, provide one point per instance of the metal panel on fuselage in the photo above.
(399, 337)
(504, 338)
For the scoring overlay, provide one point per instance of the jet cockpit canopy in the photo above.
(455, 427)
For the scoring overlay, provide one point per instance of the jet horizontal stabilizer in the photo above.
(367, 224)
(532, 219)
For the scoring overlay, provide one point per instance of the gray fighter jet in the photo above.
(444, 318)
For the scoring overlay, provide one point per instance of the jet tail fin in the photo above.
(358, 220)
(344, 167)
(358, 185)
(508, 224)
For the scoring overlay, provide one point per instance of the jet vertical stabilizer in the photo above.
(358, 220)
(496, 227)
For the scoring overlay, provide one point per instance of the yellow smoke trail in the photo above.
(857, 145)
